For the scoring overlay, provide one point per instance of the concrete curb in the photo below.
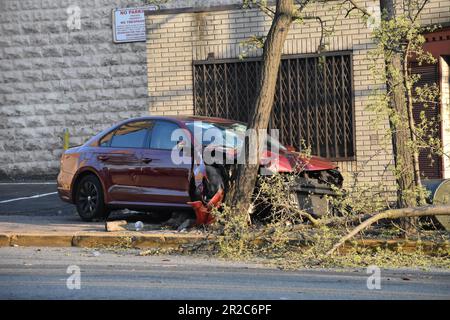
(399, 245)
(98, 239)
(4, 240)
(174, 241)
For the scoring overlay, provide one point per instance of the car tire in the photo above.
(89, 199)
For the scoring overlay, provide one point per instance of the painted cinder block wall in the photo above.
(175, 40)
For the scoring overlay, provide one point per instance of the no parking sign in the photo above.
(129, 24)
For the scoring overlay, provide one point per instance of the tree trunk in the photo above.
(409, 103)
(400, 126)
(240, 193)
(403, 155)
(400, 139)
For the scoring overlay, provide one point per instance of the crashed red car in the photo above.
(132, 165)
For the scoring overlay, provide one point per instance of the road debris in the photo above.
(119, 225)
(96, 253)
(139, 226)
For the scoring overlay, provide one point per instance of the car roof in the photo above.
(181, 119)
(186, 118)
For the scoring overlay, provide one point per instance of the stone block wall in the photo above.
(53, 78)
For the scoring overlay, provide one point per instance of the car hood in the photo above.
(315, 163)
(295, 161)
(288, 161)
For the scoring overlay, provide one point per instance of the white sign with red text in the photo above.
(129, 24)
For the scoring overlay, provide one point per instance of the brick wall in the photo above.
(174, 41)
(52, 78)
(445, 112)
(436, 12)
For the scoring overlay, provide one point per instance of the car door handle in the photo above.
(102, 158)
(147, 160)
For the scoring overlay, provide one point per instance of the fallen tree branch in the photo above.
(393, 214)
(315, 222)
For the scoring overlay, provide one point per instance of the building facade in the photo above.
(54, 77)
(194, 67)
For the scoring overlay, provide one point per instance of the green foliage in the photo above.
(399, 41)
(234, 239)
(252, 44)
(288, 241)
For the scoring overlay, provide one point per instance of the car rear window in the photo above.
(130, 135)
(161, 136)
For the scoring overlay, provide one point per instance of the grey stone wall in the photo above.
(52, 78)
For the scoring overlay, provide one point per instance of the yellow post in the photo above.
(66, 139)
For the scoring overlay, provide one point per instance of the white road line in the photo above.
(23, 183)
(32, 197)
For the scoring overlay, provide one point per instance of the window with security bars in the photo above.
(430, 163)
(313, 103)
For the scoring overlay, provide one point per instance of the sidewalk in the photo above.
(70, 231)
(66, 231)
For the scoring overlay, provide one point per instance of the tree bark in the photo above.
(403, 155)
(393, 214)
(240, 192)
(412, 126)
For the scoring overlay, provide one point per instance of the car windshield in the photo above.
(231, 134)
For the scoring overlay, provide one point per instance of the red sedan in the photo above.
(139, 165)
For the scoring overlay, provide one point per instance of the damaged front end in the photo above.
(214, 160)
(208, 190)
(203, 211)
(316, 181)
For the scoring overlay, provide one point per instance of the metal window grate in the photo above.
(313, 100)
(430, 164)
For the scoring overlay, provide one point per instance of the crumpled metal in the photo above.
(203, 211)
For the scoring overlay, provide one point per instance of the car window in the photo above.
(106, 140)
(161, 135)
(233, 134)
(131, 135)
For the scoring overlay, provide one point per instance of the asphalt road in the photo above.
(31, 273)
(40, 198)
(32, 198)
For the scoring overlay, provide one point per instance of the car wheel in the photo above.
(89, 199)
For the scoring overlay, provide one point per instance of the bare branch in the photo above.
(419, 10)
(265, 9)
(302, 3)
(355, 6)
(393, 214)
(322, 29)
